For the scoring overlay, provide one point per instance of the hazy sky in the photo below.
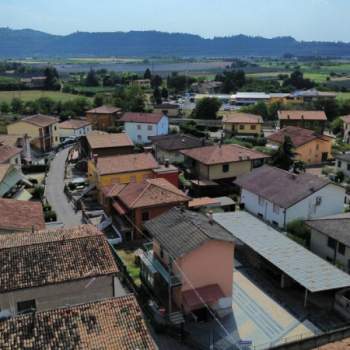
(303, 19)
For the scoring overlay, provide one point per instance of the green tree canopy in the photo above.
(283, 158)
(207, 108)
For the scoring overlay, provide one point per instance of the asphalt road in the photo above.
(55, 195)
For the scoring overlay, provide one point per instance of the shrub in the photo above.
(38, 192)
(50, 216)
(340, 176)
(297, 228)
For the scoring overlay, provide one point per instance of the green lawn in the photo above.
(128, 258)
(317, 77)
(7, 96)
(343, 95)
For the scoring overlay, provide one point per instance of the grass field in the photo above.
(7, 96)
(343, 96)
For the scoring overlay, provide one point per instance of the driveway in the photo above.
(55, 195)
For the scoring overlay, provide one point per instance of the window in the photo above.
(332, 243)
(341, 248)
(225, 168)
(161, 253)
(150, 127)
(348, 166)
(138, 127)
(275, 223)
(26, 306)
(253, 127)
(276, 209)
(55, 127)
(339, 164)
(56, 138)
(241, 127)
(145, 215)
(139, 138)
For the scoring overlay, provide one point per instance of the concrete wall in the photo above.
(173, 157)
(244, 129)
(60, 295)
(139, 133)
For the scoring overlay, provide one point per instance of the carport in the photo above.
(293, 260)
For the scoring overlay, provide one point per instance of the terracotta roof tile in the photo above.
(21, 215)
(7, 152)
(242, 118)
(40, 120)
(202, 202)
(110, 324)
(9, 140)
(74, 124)
(126, 163)
(217, 154)
(103, 140)
(299, 115)
(104, 110)
(152, 192)
(41, 258)
(149, 118)
(338, 345)
(299, 136)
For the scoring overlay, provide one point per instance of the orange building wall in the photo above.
(100, 121)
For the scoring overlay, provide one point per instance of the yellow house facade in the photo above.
(309, 147)
(42, 130)
(242, 124)
(122, 169)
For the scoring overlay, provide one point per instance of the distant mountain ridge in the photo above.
(32, 43)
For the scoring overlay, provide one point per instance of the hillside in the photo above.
(29, 43)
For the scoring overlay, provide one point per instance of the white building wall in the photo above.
(332, 202)
(342, 165)
(139, 133)
(64, 133)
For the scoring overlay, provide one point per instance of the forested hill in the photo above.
(31, 43)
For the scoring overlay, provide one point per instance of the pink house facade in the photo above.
(189, 266)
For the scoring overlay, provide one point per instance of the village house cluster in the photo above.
(176, 231)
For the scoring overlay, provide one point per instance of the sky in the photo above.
(325, 20)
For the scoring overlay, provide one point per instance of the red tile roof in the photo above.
(21, 215)
(110, 324)
(217, 154)
(74, 124)
(202, 202)
(299, 136)
(8, 152)
(242, 118)
(104, 140)
(40, 120)
(149, 118)
(126, 163)
(300, 115)
(104, 110)
(42, 258)
(152, 192)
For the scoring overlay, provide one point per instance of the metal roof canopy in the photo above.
(303, 266)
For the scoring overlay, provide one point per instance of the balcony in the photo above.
(154, 266)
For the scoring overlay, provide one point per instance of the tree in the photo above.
(207, 108)
(16, 105)
(98, 100)
(297, 81)
(165, 93)
(147, 74)
(179, 83)
(283, 157)
(156, 81)
(130, 99)
(157, 95)
(4, 107)
(337, 126)
(91, 79)
(51, 79)
(232, 80)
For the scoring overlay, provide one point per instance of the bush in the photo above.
(50, 216)
(297, 228)
(340, 176)
(38, 192)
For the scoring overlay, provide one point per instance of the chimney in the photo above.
(210, 216)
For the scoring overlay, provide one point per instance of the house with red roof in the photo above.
(131, 205)
(141, 126)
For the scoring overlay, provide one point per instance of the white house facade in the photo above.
(144, 126)
(74, 128)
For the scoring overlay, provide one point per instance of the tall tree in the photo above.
(157, 95)
(283, 158)
(51, 79)
(92, 79)
(207, 108)
(147, 74)
(165, 93)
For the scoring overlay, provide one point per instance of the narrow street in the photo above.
(55, 195)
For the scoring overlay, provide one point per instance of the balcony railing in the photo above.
(154, 265)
